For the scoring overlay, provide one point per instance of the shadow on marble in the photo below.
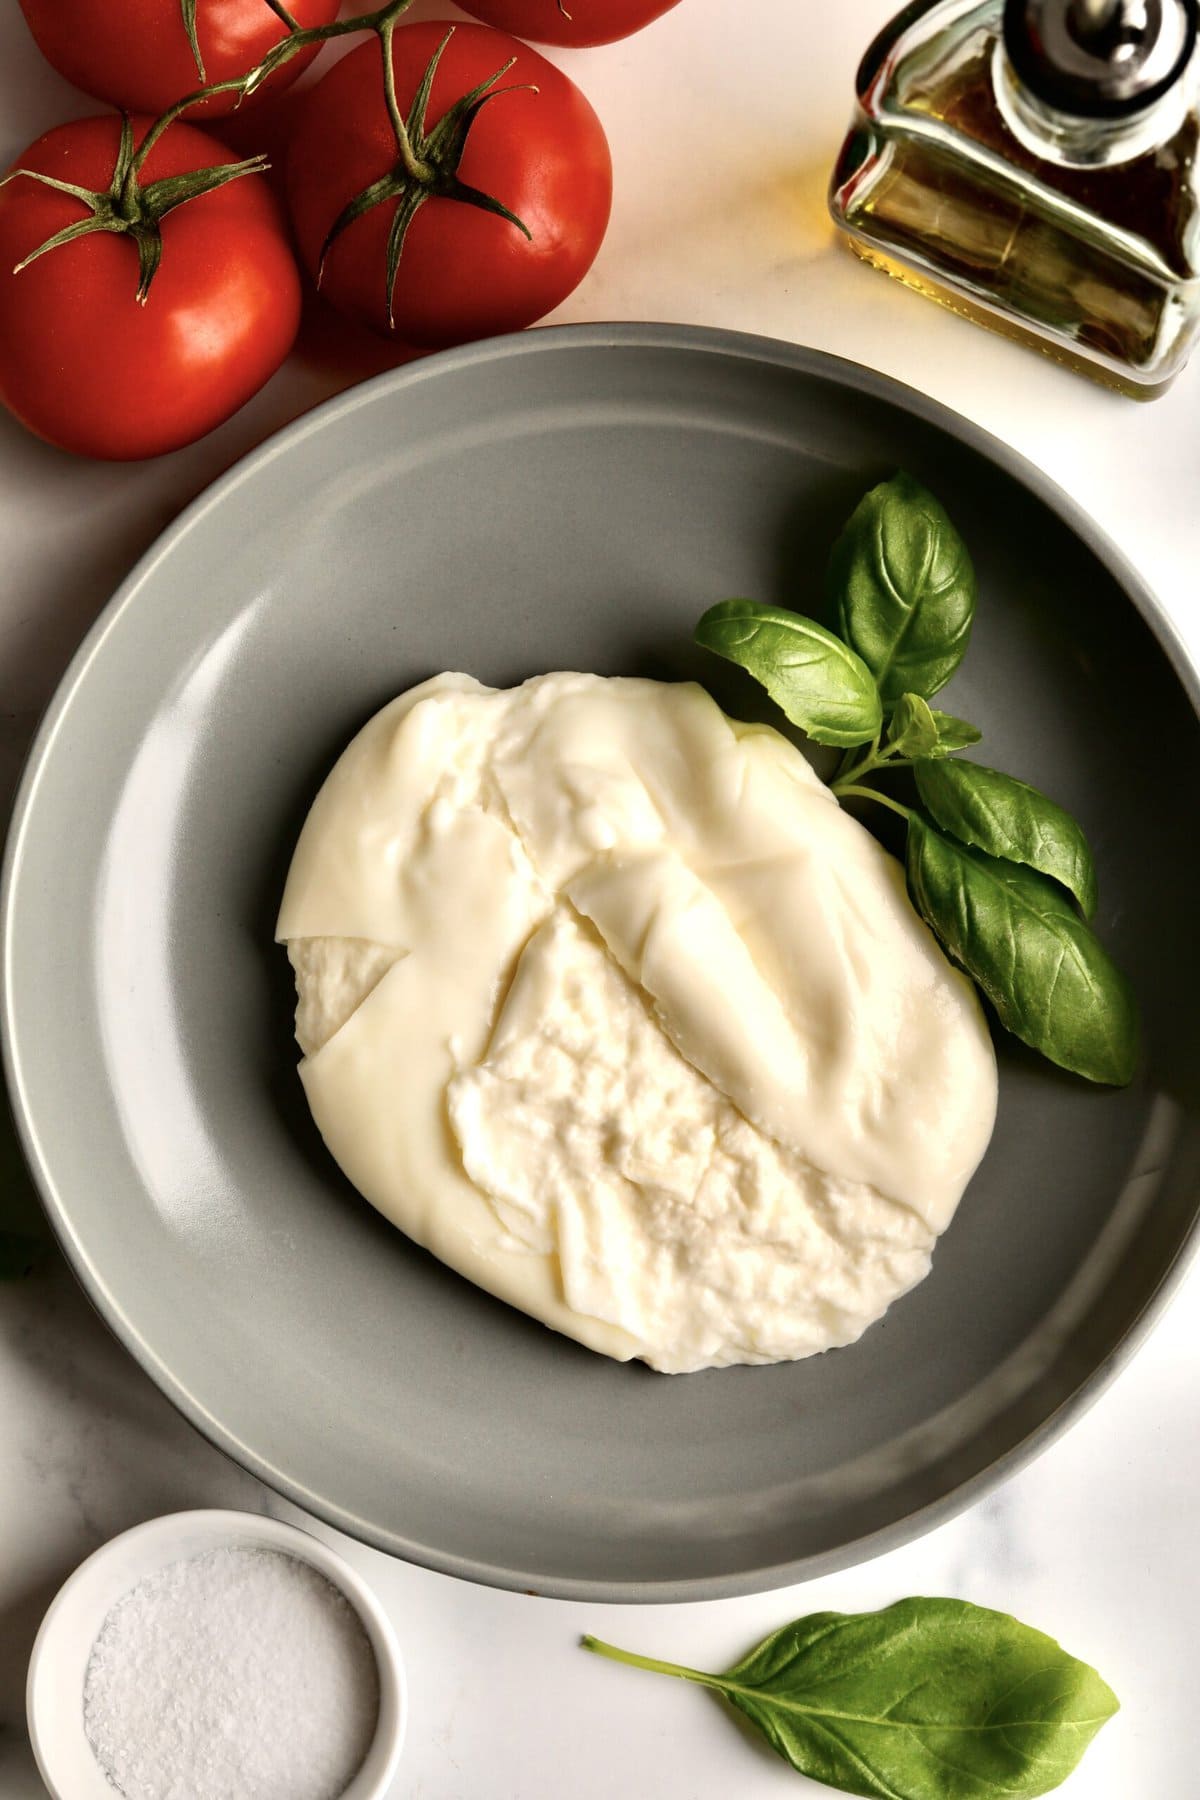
(92, 1448)
(20, 1617)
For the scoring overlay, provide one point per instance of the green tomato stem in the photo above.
(412, 163)
(168, 118)
(649, 1662)
(380, 21)
(844, 789)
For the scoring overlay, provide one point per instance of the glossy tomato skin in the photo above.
(85, 366)
(579, 23)
(464, 273)
(135, 53)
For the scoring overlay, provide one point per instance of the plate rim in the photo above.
(550, 340)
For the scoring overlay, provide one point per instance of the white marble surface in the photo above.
(722, 136)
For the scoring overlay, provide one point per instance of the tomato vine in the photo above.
(426, 162)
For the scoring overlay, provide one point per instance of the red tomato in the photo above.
(136, 54)
(464, 273)
(575, 22)
(81, 362)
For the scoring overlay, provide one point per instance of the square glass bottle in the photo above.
(1033, 163)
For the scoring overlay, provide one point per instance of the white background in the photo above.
(724, 119)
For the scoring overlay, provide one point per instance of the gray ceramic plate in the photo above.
(565, 499)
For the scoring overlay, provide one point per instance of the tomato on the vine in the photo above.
(83, 362)
(526, 156)
(574, 22)
(138, 54)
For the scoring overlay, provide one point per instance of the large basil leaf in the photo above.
(1007, 817)
(927, 1700)
(903, 589)
(822, 686)
(1016, 933)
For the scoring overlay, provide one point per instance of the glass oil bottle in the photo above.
(1033, 164)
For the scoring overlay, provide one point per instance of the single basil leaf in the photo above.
(822, 686)
(927, 1700)
(903, 589)
(914, 731)
(953, 734)
(1016, 933)
(1008, 818)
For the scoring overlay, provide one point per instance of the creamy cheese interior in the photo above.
(605, 1001)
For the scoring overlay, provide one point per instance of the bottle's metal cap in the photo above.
(1103, 59)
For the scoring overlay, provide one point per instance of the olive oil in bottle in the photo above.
(1033, 163)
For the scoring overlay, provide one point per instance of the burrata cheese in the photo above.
(604, 1000)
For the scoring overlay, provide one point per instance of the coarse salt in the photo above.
(239, 1674)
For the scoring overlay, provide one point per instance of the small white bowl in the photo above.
(54, 1691)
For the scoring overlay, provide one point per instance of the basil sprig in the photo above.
(1002, 874)
(927, 1700)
